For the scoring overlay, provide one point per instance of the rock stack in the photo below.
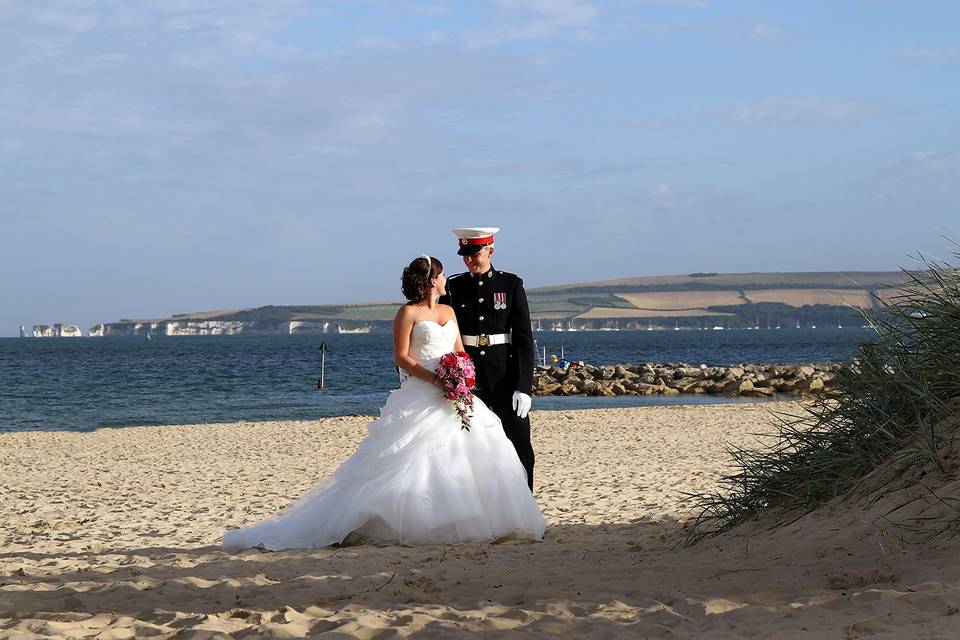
(752, 380)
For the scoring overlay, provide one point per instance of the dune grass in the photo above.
(896, 412)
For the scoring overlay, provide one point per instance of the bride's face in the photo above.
(440, 284)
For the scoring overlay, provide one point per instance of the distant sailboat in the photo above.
(23, 331)
(364, 329)
(149, 336)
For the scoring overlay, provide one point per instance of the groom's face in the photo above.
(480, 261)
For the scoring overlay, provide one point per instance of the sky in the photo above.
(185, 155)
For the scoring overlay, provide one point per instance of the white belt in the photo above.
(484, 340)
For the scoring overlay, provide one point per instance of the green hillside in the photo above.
(698, 299)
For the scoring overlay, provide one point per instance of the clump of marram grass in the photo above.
(895, 413)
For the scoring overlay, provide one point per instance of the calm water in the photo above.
(83, 384)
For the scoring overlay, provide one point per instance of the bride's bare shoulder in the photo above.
(405, 312)
(448, 312)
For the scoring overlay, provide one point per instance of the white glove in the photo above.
(521, 404)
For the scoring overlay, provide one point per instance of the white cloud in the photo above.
(763, 32)
(928, 164)
(431, 9)
(777, 110)
(536, 20)
(690, 4)
(558, 13)
(932, 56)
(923, 181)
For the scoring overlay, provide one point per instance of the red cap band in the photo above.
(486, 240)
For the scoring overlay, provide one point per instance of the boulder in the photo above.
(687, 372)
(715, 387)
(762, 392)
(788, 386)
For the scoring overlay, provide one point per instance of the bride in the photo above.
(417, 478)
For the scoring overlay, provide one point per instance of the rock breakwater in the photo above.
(752, 380)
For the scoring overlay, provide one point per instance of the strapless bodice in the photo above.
(431, 340)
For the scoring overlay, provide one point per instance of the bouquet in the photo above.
(456, 377)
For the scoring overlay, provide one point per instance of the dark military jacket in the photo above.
(493, 303)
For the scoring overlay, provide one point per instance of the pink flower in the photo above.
(456, 376)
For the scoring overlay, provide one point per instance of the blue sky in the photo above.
(166, 157)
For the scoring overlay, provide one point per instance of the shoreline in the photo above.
(558, 402)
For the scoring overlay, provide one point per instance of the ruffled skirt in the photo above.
(417, 478)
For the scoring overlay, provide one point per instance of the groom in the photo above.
(491, 309)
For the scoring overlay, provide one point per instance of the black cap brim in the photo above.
(470, 249)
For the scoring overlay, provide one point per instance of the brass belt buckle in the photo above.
(483, 340)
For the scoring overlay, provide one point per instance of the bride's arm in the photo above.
(402, 326)
(452, 317)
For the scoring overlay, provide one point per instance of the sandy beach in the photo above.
(115, 533)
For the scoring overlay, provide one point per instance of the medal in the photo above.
(499, 301)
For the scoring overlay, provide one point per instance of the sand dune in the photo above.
(113, 534)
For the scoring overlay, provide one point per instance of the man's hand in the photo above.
(521, 404)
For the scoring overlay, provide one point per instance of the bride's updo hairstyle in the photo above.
(417, 276)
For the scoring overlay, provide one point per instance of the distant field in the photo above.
(601, 312)
(369, 312)
(679, 296)
(818, 279)
(681, 300)
(801, 297)
(206, 315)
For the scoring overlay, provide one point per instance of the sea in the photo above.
(81, 384)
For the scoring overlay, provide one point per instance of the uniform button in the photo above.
(481, 317)
(462, 306)
(481, 283)
(483, 353)
(481, 299)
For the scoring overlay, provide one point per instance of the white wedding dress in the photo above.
(417, 478)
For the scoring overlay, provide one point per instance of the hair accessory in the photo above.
(429, 261)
